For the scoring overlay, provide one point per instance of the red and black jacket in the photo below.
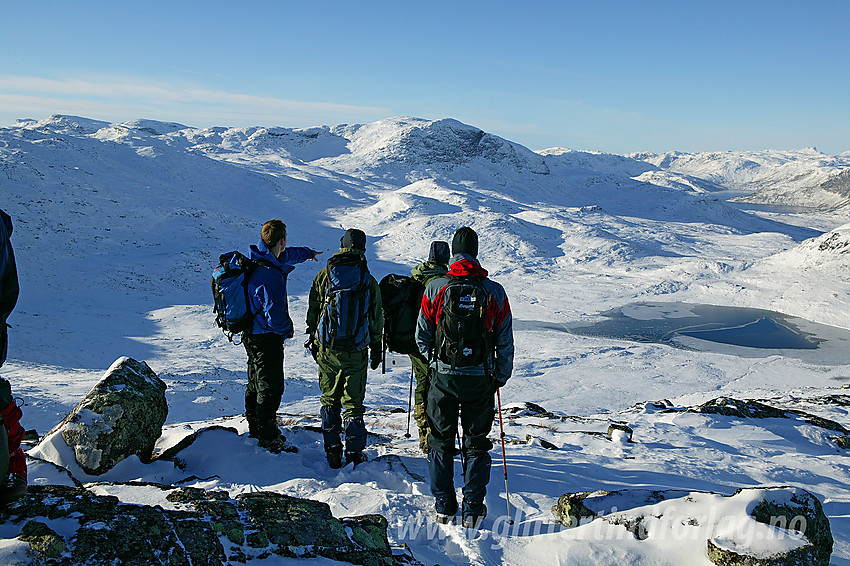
(498, 320)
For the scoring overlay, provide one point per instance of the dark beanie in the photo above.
(439, 252)
(465, 242)
(353, 238)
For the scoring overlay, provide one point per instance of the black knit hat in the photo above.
(439, 252)
(353, 238)
(465, 242)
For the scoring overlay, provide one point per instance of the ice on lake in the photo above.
(740, 331)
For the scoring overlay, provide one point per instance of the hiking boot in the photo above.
(13, 488)
(474, 521)
(277, 445)
(334, 456)
(355, 458)
(444, 513)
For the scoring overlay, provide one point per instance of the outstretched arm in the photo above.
(297, 254)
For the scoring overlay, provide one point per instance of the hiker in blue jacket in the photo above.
(272, 326)
(13, 462)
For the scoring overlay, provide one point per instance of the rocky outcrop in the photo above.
(782, 526)
(206, 528)
(121, 416)
(570, 509)
(791, 509)
(751, 409)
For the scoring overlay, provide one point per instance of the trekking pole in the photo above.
(384, 356)
(460, 444)
(504, 460)
(409, 397)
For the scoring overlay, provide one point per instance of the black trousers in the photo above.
(470, 398)
(265, 383)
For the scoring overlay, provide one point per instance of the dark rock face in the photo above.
(121, 416)
(838, 184)
(213, 530)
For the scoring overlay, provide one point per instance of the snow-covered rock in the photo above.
(754, 527)
(121, 416)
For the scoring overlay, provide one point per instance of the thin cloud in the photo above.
(135, 98)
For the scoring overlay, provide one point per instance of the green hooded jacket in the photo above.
(428, 270)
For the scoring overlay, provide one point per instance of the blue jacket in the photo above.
(8, 280)
(267, 288)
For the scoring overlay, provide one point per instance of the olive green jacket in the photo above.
(428, 270)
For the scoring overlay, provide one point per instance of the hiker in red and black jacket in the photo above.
(13, 463)
(465, 329)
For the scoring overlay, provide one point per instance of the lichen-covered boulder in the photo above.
(105, 532)
(570, 509)
(43, 540)
(773, 526)
(121, 416)
(206, 528)
(290, 521)
(789, 510)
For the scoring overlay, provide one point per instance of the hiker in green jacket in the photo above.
(345, 324)
(436, 266)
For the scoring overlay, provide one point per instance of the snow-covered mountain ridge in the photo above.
(804, 177)
(118, 228)
(111, 188)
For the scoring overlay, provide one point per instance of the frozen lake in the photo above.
(734, 330)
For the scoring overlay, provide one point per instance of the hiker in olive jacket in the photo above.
(457, 389)
(344, 344)
(436, 266)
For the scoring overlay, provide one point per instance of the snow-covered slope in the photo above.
(118, 227)
(804, 178)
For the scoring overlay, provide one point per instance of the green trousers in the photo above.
(420, 395)
(342, 379)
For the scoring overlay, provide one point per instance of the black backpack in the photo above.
(231, 302)
(401, 298)
(344, 320)
(462, 339)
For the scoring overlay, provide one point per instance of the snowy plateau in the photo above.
(119, 226)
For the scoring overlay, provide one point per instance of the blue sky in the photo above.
(615, 76)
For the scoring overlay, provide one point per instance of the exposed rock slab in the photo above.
(206, 528)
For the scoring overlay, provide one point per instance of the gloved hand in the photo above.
(311, 345)
(498, 384)
(375, 351)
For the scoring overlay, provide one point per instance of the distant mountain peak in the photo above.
(415, 142)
